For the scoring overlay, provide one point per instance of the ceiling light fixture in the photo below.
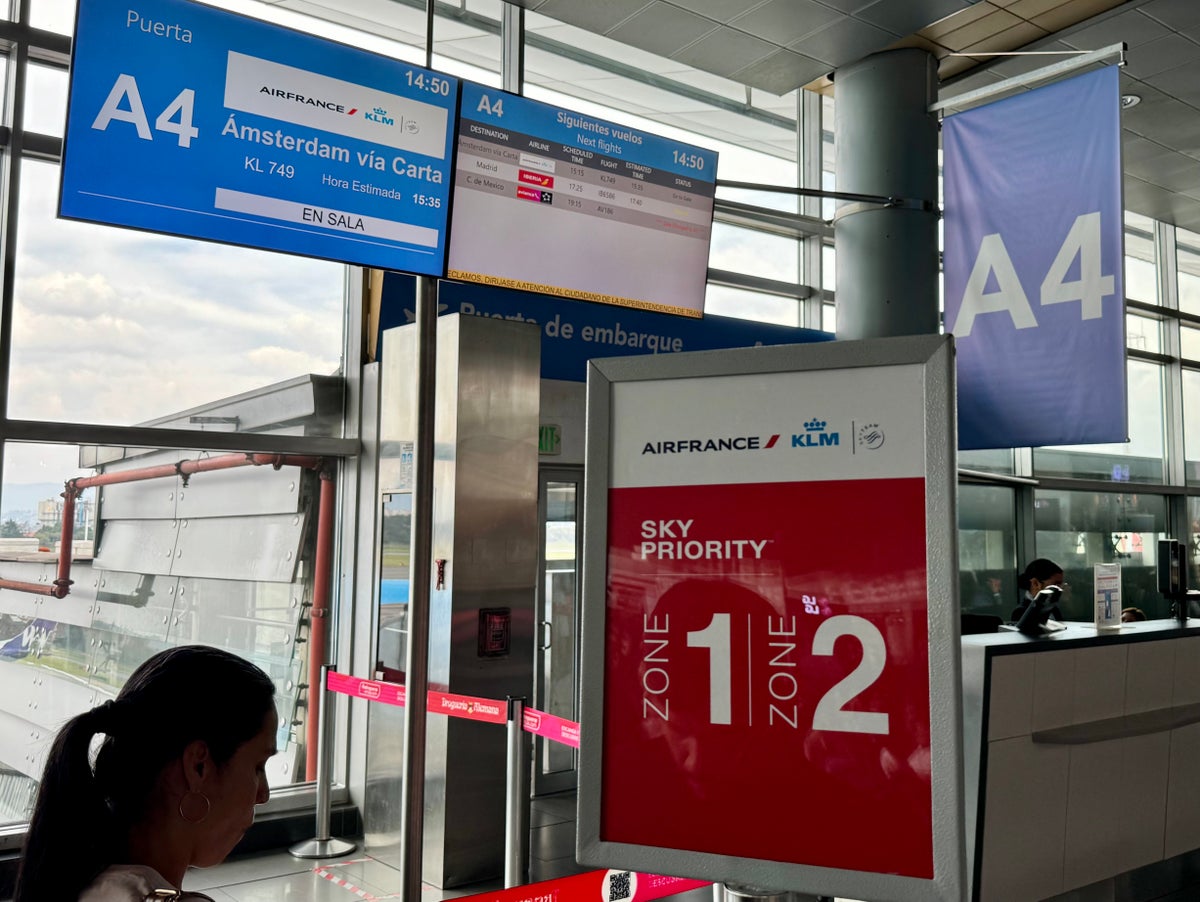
(1129, 101)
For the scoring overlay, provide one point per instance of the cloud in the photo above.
(117, 326)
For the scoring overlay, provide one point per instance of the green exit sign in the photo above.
(549, 439)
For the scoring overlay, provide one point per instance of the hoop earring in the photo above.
(192, 808)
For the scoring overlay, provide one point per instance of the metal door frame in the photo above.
(559, 781)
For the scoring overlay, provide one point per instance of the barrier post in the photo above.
(516, 796)
(322, 845)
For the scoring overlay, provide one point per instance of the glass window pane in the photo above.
(1188, 257)
(992, 460)
(1143, 333)
(1191, 426)
(1141, 276)
(1077, 530)
(45, 100)
(828, 267)
(156, 562)
(1138, 460)
(147, 327)
(765, 308)
(755, 135)
(1194, 523)
(744, 250)
(828, 318)
(52, 15)
(1189, 340)
(987, 556)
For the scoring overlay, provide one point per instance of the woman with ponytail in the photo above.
(174, 784)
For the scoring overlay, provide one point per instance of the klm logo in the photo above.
(815, 436)
(379, 115)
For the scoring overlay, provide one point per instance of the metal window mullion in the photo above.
(808, 139)
(1166, 256)
(512, 48)
(9, 186)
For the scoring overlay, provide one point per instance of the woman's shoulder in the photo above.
(134, 883)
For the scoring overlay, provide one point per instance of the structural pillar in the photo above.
(887, 141)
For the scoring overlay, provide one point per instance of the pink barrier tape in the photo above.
(594, 886)
(465, 706)
(371, 690)
(325, 872)
(551, 726)
(468, 706)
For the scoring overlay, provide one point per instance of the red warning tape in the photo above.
(552, 727)
(470, 707)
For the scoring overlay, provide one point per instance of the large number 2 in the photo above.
(830, 713)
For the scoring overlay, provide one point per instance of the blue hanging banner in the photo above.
(1034, 258)
(574, 332)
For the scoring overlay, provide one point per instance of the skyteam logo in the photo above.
(703, 445)
(815, 436)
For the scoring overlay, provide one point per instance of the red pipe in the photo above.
(318, 630)
(35, 588)
(66, 544)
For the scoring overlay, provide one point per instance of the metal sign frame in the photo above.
(935, 356)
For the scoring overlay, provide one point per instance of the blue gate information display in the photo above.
(193, 121)
(562, 203)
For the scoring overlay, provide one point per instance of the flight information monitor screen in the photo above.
(192, 121)
(558, 202)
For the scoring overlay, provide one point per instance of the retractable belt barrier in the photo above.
(593, 886)
(468, 707)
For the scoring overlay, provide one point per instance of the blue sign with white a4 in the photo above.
(193, 121)
(1033, 262)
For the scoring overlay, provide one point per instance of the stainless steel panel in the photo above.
(261, 548)
(140, 546)
(255, 489)
(485, 528)
(154, 499)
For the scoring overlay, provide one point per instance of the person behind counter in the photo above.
(174, 784)
(1040, 573)
(1132, 615)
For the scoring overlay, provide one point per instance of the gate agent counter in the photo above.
(1082, 755)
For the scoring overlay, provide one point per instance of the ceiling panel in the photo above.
(786, 21)
(840, 40)
(1159, 55)
(662, 29)
(725, 51)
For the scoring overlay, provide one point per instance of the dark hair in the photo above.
(1040, 569)
(81, 821)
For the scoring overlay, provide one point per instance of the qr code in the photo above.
(619, 886)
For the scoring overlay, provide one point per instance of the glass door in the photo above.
(556, 654)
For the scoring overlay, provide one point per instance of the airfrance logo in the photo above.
(703, 445)
(284, 94)
(815, 436)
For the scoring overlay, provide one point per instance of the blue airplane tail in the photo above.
(31, 640)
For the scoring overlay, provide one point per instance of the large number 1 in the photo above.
(830, 713)
(715, 637)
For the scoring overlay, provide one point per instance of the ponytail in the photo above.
(72, 832)
(84, 812)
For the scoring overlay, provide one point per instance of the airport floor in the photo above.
(275, 876)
